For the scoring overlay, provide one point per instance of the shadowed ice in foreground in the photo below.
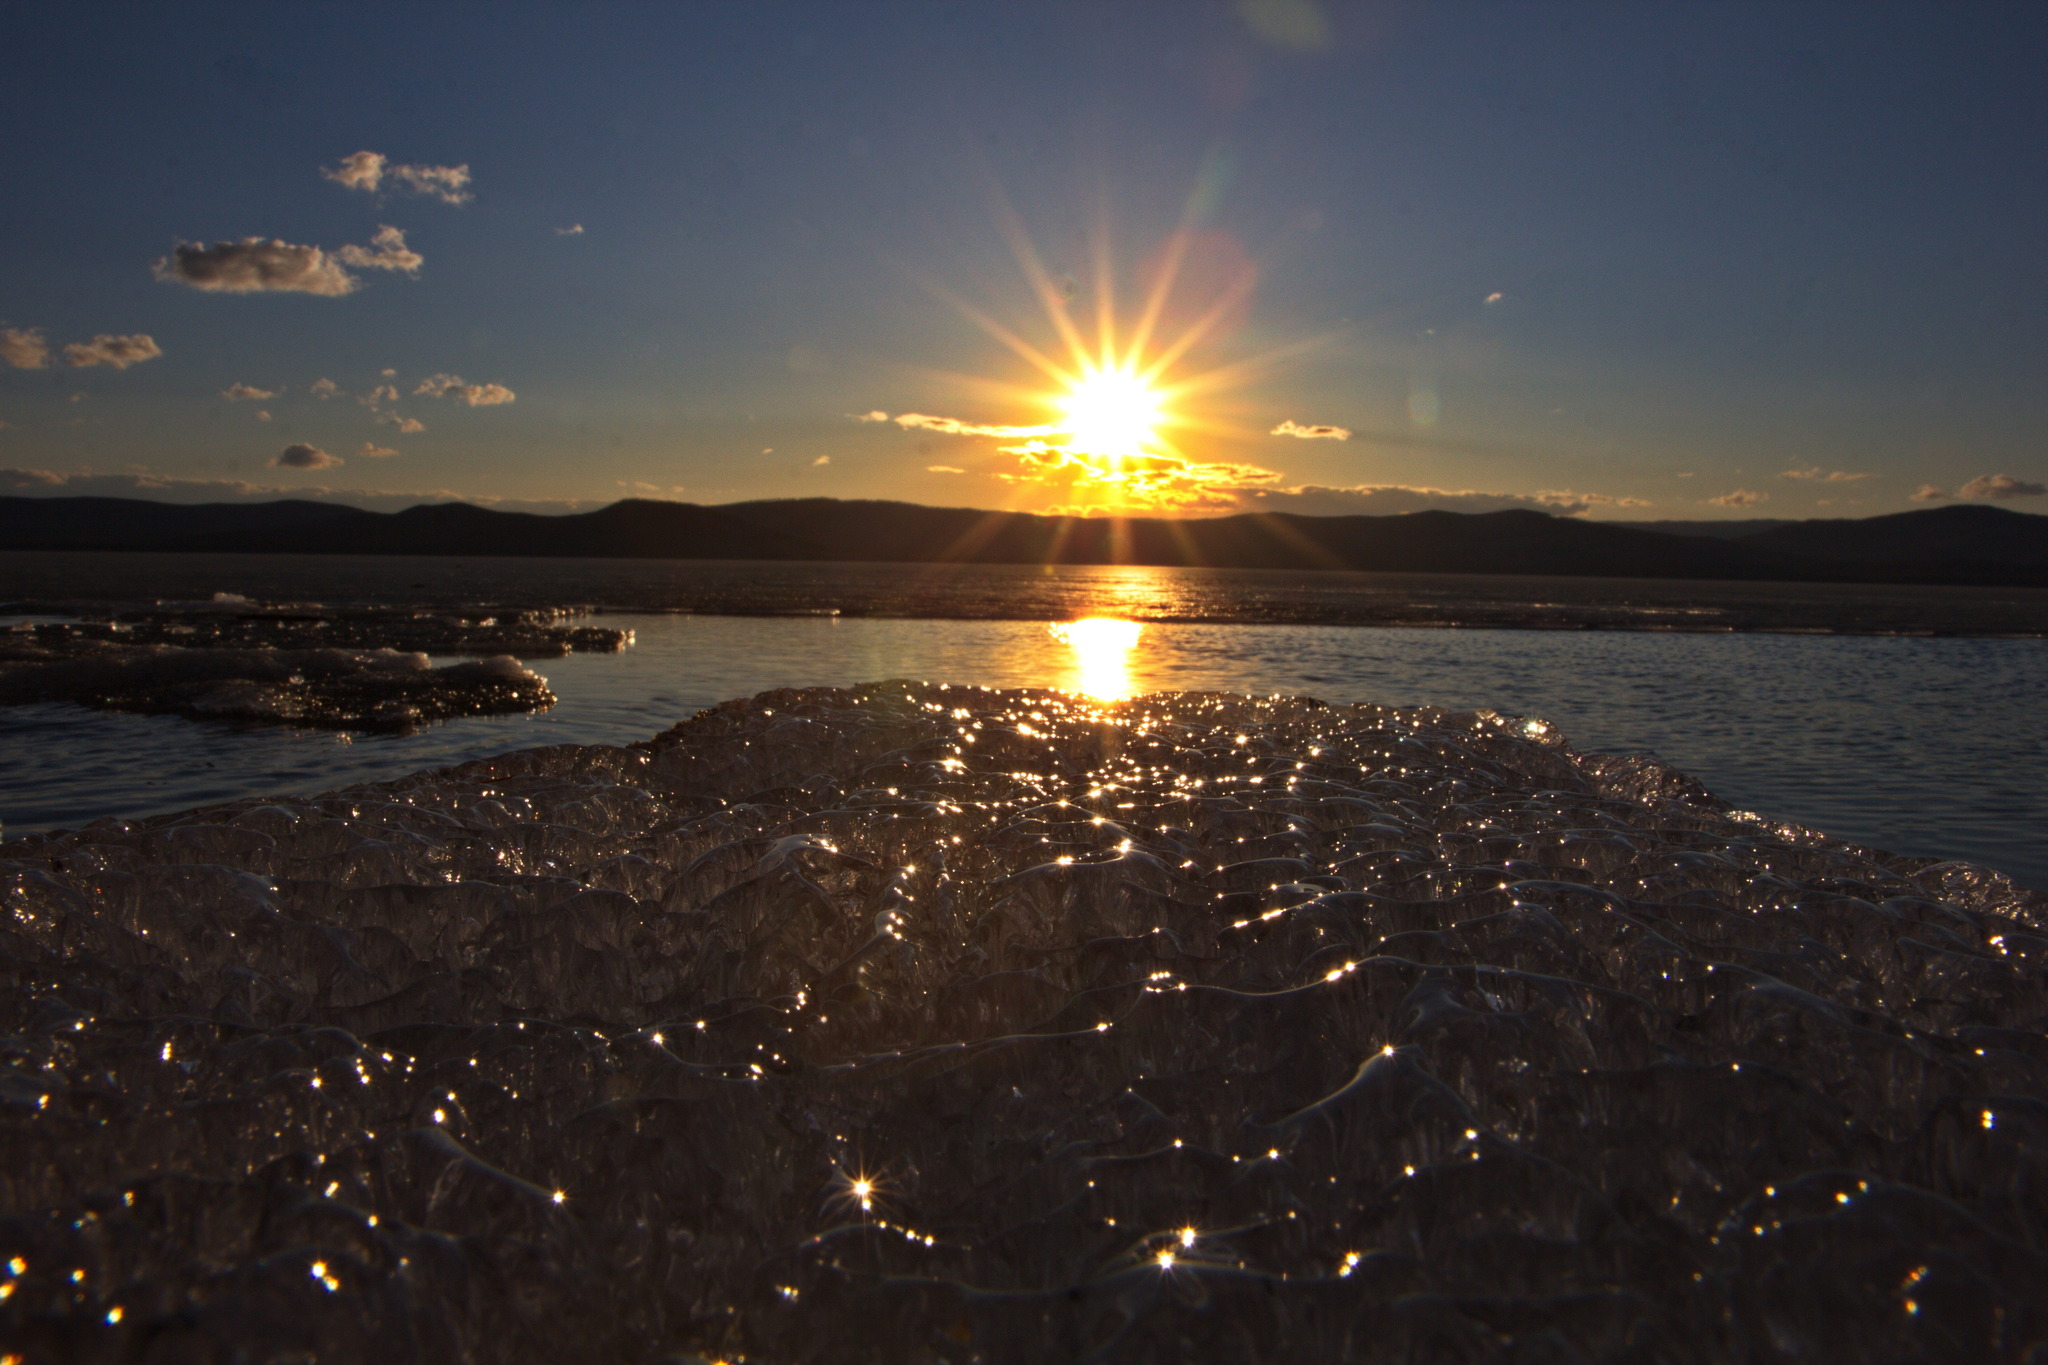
(925, 1023)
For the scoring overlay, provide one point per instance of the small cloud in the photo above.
(116, 353)
(254, 266)
(1927, 492)
(1999, 487)
(407, 426)
(378, 393)
(24, 348)
(373, 451)
(76, 398)
(573, 230)
(389, 374)
(876, 416)
(767, 450)
(1741, 497)
(476, 395)
(324, 388)
(386, 251)
(943, 469)
(822, 459)
(1495, 297)
(359, 171)
(237, 393)
(303, 456)
(367, 171)
(1290, 427)
(1819, 475)
(262, 414)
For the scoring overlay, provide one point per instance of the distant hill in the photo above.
(1961, 544)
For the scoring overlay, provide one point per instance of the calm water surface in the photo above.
(1925, 746)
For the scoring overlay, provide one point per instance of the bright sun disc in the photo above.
(1110, 414)
(1102, 648)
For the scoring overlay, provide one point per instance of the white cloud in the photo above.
(1741, 497)
(1290, 427)
(1819, 475)
(386, 251)
(372, 451)
(237, 393)
(116, 353)
(323, 388)
(953, 426)
(943, 469)
(359, 171)
(378, 393)
(822, 459)
(254, 266)
(573, 230)
(1495, 297)
(138, 483)
(367, 171)
(303, 456)
(476, 395)
(24, 348)
(1999, 487)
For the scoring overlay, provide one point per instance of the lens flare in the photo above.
(1102, 648)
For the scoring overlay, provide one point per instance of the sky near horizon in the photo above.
(1641, 262)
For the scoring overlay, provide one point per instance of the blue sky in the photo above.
(1632, 261)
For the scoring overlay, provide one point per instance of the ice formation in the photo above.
(231, 658)
(916, 1023)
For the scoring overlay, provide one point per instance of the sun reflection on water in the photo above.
(1102, 648)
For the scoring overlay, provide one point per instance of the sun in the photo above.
(1111, 413)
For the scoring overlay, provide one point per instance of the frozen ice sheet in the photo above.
(915, 1022)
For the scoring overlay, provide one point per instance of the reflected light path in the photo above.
(1102, 648)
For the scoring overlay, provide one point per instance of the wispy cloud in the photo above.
(324, 388)
(303, 456)
(876, 416)
(454, 385)
(240, 393)
(369, 172)
(1819, 475)
(116, 353)
(386, 251)
(1317, 500)
(373, 451)
(943, 469)
(255, 266)
(573, 230)
(953, 426)
(1999, 487)
(1290, 427)
(1928, 492)
(407, 426)
(821, 460)
(24, 348)
(1741, 497)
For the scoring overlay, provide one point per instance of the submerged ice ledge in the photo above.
(915, 1022)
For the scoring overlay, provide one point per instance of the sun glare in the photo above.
(1111, 414)
(1102, 648)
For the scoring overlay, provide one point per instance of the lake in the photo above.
(1929, 745)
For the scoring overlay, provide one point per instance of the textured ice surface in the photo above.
(914, 1023)
(302, 664)
(346, 689)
